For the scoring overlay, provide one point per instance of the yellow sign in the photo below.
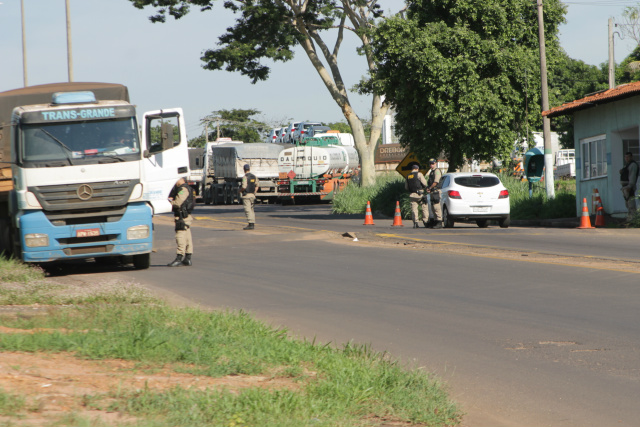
(404, 168)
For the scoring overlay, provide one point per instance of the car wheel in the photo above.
(482, 223)
(447, 221)
(505, 222)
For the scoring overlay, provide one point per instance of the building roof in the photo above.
(602, 97)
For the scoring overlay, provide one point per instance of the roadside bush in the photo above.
(537, 206)
(388, 189)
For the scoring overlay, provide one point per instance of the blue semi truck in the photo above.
(80, 177)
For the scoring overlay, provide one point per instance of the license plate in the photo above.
(88, 232)
(481, 209)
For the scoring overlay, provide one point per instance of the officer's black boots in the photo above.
(187, 260)
(249, 227)
(176, 262)
(426, 224)
(415, 225)
(437, 224)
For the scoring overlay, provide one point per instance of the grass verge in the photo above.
(349, 386)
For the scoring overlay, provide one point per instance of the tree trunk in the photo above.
(366, 149)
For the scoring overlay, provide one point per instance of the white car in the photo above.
(287, 133)
(473, 196)
(274, 135)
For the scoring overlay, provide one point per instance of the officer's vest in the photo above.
(624, 174)
(251, 183)
(413, 182)
(432, 177)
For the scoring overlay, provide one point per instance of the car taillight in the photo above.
(504, 194)
(453, 194)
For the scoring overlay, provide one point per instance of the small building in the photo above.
(606, 125)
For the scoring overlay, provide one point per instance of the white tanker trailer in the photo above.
(316, 167)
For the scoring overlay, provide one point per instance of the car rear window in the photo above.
(477, 181)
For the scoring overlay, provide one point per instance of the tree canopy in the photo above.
(271, 29)
(236, 124)
(463, 76)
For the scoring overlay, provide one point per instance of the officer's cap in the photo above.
(431, 161)
(415, 166)
(247, 167)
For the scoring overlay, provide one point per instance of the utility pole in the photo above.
(612, 72)
(546, 125)
(69, 54)
(24, 46)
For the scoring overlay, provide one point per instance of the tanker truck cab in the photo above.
(82, 183)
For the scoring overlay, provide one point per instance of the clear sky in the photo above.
(160, 63)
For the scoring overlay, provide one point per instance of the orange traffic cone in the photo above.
(585, 222)
(599, 216)
(368, 218)
(397, 217)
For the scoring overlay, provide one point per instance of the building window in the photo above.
(594, 157)
(631, 146)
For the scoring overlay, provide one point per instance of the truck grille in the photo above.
(86, 202)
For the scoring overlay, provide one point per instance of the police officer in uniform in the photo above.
(416, 184)
(183, 219)
(248, 189)
(435, 221)
(628, 178)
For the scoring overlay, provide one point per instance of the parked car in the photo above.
(301, 129)
(313, 130)
(287, 135)
(472, 196)
(274, 134)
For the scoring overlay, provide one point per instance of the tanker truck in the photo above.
(224, 171)
(316, 167)
(77, 180)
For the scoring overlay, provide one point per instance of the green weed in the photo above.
(14, 271)
(347, 385)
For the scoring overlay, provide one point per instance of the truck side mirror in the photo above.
(167, 136)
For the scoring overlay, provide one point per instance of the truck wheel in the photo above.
(225, 195)
(5, 238)
(142, 261)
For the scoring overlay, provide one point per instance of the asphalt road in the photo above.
(518, 343)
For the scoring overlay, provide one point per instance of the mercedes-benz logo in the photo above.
(85, 192)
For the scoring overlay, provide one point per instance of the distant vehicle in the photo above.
(312, 130)
(469, 196)
(301, 129)
(287, 133)
(344, 138)
(196, 166)
(274, 135)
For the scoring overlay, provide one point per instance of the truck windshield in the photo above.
(79, 143)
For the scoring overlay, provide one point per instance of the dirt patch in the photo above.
(58, 384)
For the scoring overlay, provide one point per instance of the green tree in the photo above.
(463, 75)
(271, 29)
(569, 80)
(236, 124)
